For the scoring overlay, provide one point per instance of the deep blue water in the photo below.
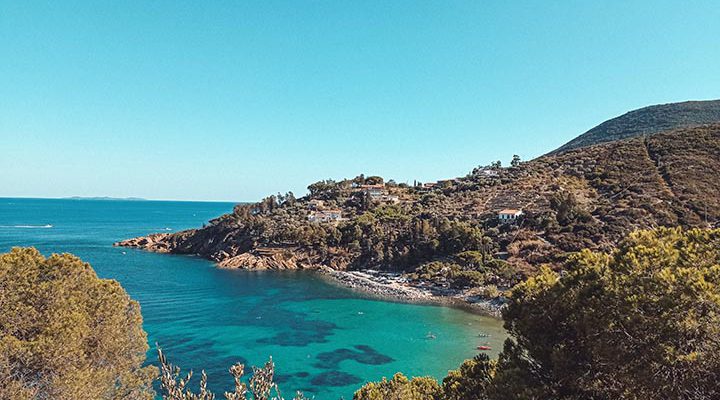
(324, 339)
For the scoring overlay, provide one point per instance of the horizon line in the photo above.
(128, 199)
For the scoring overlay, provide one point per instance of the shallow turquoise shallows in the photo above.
(325, 340)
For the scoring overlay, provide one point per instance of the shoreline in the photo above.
(395, 288)
(382, 285)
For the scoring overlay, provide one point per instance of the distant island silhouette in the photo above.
(105, 198)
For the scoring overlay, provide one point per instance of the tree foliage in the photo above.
(399, 388)
(66, 334)
(640, 323)
(471, 380)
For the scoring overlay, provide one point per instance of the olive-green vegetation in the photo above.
(639, 323)
(471, 381)
(66, 334)
(400, 388)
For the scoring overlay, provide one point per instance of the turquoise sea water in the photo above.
(324, 339)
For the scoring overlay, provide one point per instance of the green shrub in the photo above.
(471, 380)
(490, 291)
(472, 259)
(640, 323)
(400, 388)
(463, 279)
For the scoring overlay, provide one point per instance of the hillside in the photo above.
(447, 234)
(647, 121)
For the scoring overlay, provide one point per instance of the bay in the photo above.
(325, 340)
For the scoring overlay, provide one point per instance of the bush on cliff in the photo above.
(641, 323)
(399, 388)
(66, 334)
(470, 381)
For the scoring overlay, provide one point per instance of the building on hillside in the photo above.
(509, 215)
(325, 216)
(375, 191)
(391, 199)
(489, 172)
(426, 187)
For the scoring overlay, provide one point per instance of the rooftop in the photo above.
(510, 211)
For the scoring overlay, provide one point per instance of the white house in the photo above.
(325, 216)
(426, 187)
(489, 172)
(375, 191)
(509, 215)
(392, 199)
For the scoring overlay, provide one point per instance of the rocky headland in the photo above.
(388, 286)
(448, 241)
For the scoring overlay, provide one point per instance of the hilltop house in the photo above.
(489, 172)
(375, 191)
(325, 216)
(509, 215)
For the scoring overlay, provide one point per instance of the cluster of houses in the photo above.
(505, 216)
(378, 192)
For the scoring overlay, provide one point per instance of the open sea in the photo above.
(324, 339)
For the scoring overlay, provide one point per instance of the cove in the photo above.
(325, 339)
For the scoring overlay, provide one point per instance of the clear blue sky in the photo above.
(235, 100)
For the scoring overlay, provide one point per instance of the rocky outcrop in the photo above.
(258, 258)
(270, 259)
(157, 243)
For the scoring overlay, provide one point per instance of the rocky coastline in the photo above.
(385, 285)
(395, 287)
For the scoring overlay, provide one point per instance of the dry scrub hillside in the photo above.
(584, 198)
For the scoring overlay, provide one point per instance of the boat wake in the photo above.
(27, 226)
